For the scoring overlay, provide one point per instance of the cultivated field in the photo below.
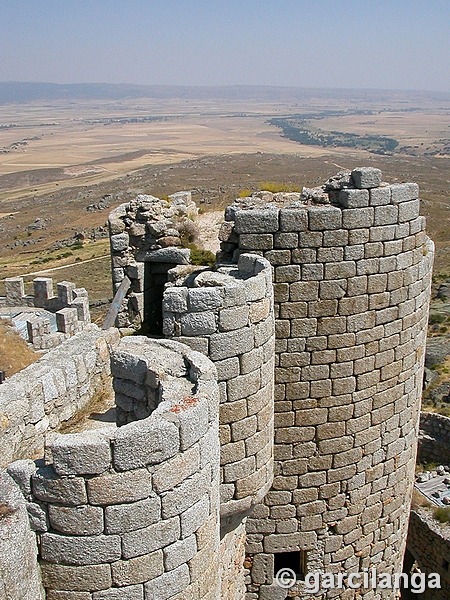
(59, 159)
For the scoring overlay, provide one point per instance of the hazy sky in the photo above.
(402, 44)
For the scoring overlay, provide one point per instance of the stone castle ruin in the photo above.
(45, 319)
(270, 420)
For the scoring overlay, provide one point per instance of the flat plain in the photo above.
(65, 163)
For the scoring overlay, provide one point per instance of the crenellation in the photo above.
(70, 306)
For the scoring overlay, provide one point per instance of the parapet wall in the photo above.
(39, 398)
(428, 540)
(434, 439)
(70, 304)
(133, 512)
(228, 315)
(352, 281)
(429, 544)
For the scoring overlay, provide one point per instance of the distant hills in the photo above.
(18, 92)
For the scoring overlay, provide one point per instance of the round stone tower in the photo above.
(352, 271)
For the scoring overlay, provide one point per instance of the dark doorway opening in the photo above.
(155, 278)
(296, 561)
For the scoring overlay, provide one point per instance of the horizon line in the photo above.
(226, 86)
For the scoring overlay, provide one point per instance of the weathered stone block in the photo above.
(293, 219)
(233, 318)
(407, 211)
(380, 196)
(403, 192)
(349, 198)
(150, 539)
(88, 453)
(354, 218)
(256, 241)
(119, 242)
(132, 592)
(129, 517)
(142, 443)
(117, 488)
(79, 520)
(257, 221)
(228, 344)
(77, 578)
(366, 177)
(168, 585)
(172, 472)
(285, 240)
(205, 299)
(76, 550)
(137, 570)
(175, 299)
(201, 323)
(176, 501)
(50, 487)
(324, 218)
(194, 517)
(287, 273)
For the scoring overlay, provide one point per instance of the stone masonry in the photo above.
(352, 283)
(133, 512)
(428, 540)
(70, 305)
(305, 345)
(228, 315)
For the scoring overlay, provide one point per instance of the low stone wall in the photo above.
(50, 391)
(70, 304)
(434, 439)
(429, 543)
(228, 315)
(428, 540)
(133, 512)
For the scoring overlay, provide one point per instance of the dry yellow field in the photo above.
(63, 156)
(82, 153)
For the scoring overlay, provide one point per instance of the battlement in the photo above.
(70, 306)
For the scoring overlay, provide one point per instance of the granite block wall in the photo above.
(434, 439)
(132, 512)
(228, 315)
(351, 282)
(429, 544)
(20, 577)
(428, 540)
(50, 391)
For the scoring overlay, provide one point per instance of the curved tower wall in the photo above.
(352, 283)
(133, 512)
(228, 315)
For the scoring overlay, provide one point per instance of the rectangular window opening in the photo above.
(295, 561)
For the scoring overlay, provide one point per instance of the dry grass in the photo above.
(419, 500)
(15, 354)
(100, 403)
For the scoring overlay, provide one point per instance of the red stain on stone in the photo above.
(184, 404)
